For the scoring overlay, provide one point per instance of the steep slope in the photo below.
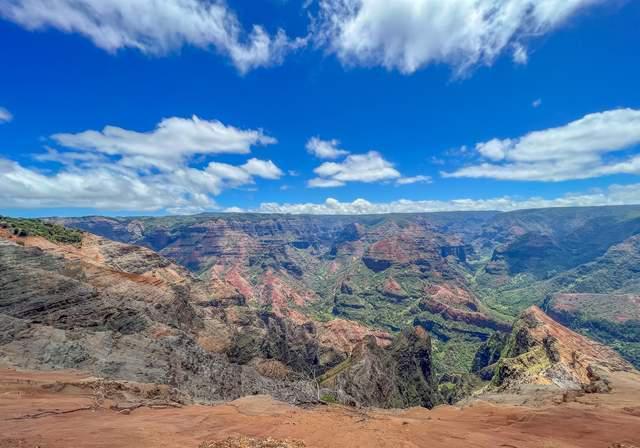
(68, 307)
(399, 376)
(613, 319)
(124, 312)
(590, 298)
(462, 276)
(380, 271)
(540, 351)
(616, 271)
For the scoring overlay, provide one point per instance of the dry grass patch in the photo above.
(246, 442)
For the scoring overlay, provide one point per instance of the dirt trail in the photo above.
(53, 410)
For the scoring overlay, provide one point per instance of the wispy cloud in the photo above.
(5, 115)
(592, 146)
(414, 180)
(325, 149)
(156, 27)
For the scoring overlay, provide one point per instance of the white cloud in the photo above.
(5, 115)
(319, 182)
(614, 195)
(105, 187)
(125, 170)
(172, 140)
(262, 168)
(520, 55)
(325, 149)
(582, 149)
(369, 167)
(414, 180)
(235, 175)
(110, 186)
(234, 210)
(493, 149)
(155, 27)
(409, 34)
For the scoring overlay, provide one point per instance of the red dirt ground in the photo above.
(594, 421)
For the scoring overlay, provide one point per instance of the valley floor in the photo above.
(67, 409)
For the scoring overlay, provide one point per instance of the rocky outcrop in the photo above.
(413, 245)
(126, 313)
(457, 251)
(608, 318)
(393, 290)
(66, 307)
(534, 253)
(540, 351)
(400, 375)
(455, 303)
(485, 359)
(289, 264)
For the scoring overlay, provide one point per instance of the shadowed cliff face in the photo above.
(400, 375)
(124, 312)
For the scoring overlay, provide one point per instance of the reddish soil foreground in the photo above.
(50, 410)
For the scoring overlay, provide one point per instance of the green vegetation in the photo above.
(515, 260)
(454, 355)
(36, 227)
(622, 336)
(329, 399)
(332, 373)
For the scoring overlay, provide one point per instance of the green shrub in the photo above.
(35, 227)
(328, 398)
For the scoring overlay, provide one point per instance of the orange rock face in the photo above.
(543, 352)
(615, 307)
(575, 350)
(345, 335)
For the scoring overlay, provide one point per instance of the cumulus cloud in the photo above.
(5, 115)
(118, 169)
(106, 188)
(325, 149)
(596, 145)
(262, 168)
(369, 167)
(614, 195)
(170, 142)
(155, 27)
(409, 34)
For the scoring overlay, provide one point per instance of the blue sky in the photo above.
(410, 111)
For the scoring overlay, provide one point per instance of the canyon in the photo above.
(527, 313)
